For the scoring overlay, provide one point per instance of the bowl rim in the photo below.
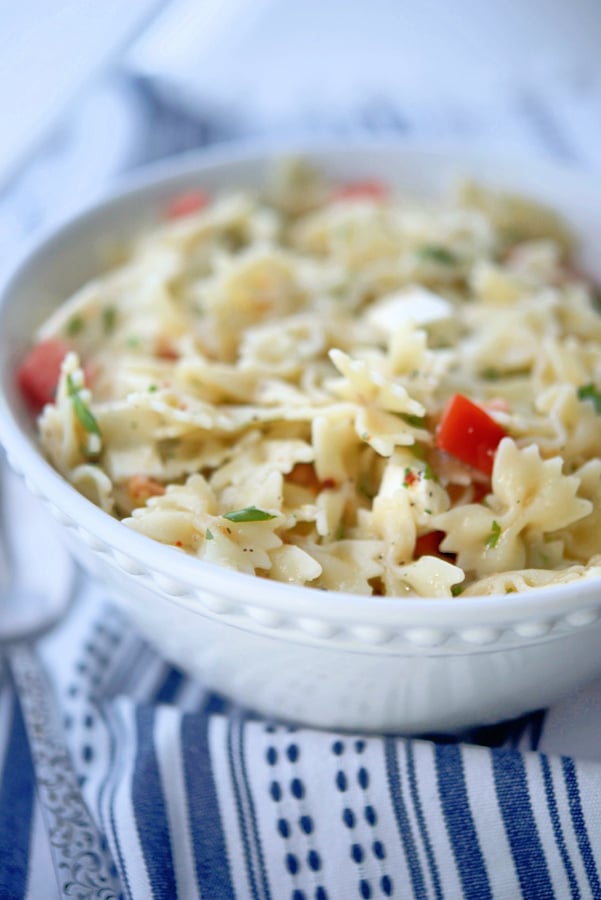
(198, 575)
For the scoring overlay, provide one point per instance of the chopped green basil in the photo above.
(456, 589)
(428, 473)
(248, 514)
(209, 536)
(152, 388)
(490, 374)
(414, 421)
(109, 317)
(493, 538)
(84, 415)
(590, 392)
(436, 253)
(75, 325)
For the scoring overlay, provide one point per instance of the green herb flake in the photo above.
(109, 319)
(418, 451)
(209, 536)
(428, 473)
(456, 589)
(493, 538)
(490, 374)
(75, 326)
(590, 392)
(438, 254)
(84, 415)
(248, 514)
(133, 341)
(152, 388)
(414, 421)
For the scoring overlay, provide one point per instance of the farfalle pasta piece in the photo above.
(428, 576)
(582, 539)
(293, 565)
(348, 565)
(68, 428)
(528, 579)
(188, 517)
(576, 425)
(529, 494)
(381, 404)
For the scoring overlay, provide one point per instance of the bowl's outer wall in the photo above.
(299, 665)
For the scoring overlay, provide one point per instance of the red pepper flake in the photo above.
(410, 477)
(328, 484)
(178, 544)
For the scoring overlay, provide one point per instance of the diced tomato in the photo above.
(141, 487)
(303, 474)
(38, 374)
(361, 190)
(428, 544)
(187, 203)
(469, 433)
(164, 349)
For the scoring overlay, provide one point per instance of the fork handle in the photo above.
(79, 853)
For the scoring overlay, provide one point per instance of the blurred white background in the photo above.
(89, 89)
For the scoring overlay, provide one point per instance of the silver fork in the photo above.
(79, 853)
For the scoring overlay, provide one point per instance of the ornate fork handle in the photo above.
(81, 859)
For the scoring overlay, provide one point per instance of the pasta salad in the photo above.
(337, 386)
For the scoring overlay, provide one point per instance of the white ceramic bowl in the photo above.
(335, 660)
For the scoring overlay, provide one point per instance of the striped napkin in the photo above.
(201, 799)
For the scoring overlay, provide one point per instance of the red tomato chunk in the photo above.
(187, 203)
(469, 433)
(361, 190)
(428, 544)
(38, 374)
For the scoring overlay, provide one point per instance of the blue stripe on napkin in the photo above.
(421, 821)
(16, 809)
(520, 826)
(149, 808)
(402, 819)
(458, 817)
(212, 866)
(556, 823)
(580, 825)
(246, 813)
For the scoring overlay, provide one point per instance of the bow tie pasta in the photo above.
(335, 386)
